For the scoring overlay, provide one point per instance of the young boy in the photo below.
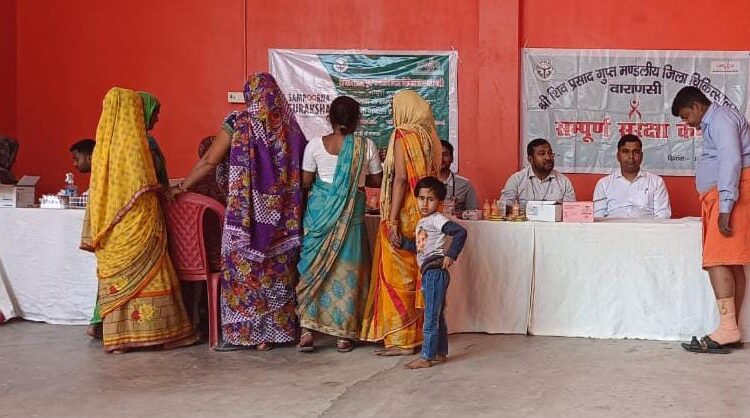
(433, 262)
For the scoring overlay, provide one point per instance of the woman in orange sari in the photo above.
(393, 312)
(139, 292)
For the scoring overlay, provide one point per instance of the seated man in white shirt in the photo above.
(539, 180)
(631, 192)
(459, 188)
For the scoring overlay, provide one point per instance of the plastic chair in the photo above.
(188, 250)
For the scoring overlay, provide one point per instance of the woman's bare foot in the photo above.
(419, 363)
(394, 351)
(94, 331)
(264, 346)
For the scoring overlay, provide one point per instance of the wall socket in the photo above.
(235, 97)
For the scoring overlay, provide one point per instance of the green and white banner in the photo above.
(311, 79)
(584, 100)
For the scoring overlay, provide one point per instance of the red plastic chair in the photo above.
(188, 250)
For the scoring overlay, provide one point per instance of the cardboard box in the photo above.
(578, 211)
(20, 195)
(543, 211)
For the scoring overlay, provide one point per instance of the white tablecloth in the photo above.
(614, 279)
(48, 277)
(490, 288)
(622, 279)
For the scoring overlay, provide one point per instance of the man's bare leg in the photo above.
(723, 283)
(739, 289)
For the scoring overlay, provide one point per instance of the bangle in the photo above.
(181, 187)
(391, 223)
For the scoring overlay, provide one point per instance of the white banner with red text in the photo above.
(584, 100)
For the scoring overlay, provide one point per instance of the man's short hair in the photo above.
(447, 145)
(84, 146)
(535, 143)
(433, 184)
(686, 97)
(628, 138)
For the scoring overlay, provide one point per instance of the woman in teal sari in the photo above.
(334, 266)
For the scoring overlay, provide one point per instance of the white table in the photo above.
(43, 273)
(622, 279)
(490, 288)
(613, 279)
(608, 279)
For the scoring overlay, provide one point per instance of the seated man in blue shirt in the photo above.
(722, 177)
(459, 188)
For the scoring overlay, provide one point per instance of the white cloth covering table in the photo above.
(45, 273)
(490, 287)
(623, 278)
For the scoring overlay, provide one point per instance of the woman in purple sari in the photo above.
(262, 226)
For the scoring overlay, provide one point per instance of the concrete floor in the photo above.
(57, 371)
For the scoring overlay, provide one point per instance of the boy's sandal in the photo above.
(306, 343)
(344, 346)
(705, 345)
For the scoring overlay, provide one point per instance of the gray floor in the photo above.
(48, 370)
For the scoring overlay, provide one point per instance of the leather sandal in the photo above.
(344, 345)
(306, 346)
(705, 345)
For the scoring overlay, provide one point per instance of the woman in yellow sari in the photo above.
(139, 292)
(393, 312)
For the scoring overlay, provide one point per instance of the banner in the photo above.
(584, 100)
(311, 79)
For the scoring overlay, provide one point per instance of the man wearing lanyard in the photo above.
(459, 188)
(540, 180)
(722, 177)
(631, 192)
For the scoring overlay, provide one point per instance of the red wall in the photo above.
(191, 52)
(8, 67)
(657, 24)
(484, 32)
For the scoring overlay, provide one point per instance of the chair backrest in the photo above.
(185, 229)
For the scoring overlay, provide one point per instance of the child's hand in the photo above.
(447, 262)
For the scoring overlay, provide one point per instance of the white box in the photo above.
(472, 215)
(543, 211)
(20, 195)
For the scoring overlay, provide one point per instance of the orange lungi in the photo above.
(719, 250)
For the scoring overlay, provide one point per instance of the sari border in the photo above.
(335, 332)
(136, 292)
(122, 211)
(168, 342)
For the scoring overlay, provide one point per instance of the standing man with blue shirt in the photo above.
(631, 192)
(722, 177)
